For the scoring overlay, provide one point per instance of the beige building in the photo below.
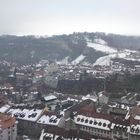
(8, 127)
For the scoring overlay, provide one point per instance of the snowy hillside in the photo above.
(125, 54)
(65, 48)
(63, 61)
(103, 48)
(100, 41)
(78, 59)
(100, 45)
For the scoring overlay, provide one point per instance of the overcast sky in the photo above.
(49, 17)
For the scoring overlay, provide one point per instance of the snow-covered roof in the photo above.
(51, 120)
(121, 106)
(71, 99)
(120, 126)
(93, 98)
(135, 129)
(26, 114)
(93, 122)
(4, 108)
(137, 117)
(50, 97)
(54, 137)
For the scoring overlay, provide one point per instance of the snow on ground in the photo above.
(63, 61)
(101, 45)
(105, 60)
(102, 48)
(78, 59)
(100, 41)
(130, 51)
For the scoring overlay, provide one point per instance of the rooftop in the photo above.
(6, 121)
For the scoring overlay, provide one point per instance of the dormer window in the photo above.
(109, 125)
(125, 129)
(104, 124)
(132, 129)
(95, 123)
(51, 120)
(86, 121)
(137, 130)
(100, 124)
(78, 119)
(54, 121)
(90, 122)
(82, 120)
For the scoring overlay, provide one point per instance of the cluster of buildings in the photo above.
(30, 107)
(88, 118)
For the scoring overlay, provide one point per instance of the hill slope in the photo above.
(90, 46)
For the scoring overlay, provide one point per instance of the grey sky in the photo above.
(48, 17)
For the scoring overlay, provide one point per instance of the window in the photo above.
(120, 132)
(107, 132)
(100, 124)
(78, 119)
(104, 124)
(114, 131)
(82, 120)
(126, 134)
(86, 121)
(95, 123)
(101, 131)
(137, 130)
(90, 122)
(132, 129)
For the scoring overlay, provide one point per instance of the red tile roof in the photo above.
(6, 121)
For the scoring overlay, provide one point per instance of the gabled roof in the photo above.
(82, 104)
